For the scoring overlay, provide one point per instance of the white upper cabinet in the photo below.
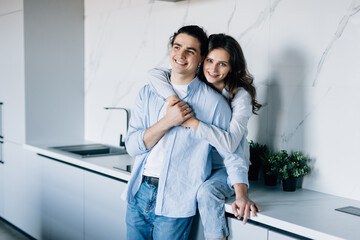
(12, 85)
(10, 6)
(42, 70)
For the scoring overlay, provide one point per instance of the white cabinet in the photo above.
(80, 204)
(45, 102)
(278, 236)
(12, 85)
(238, 230)
(105, 211)
(10, 6)
(21, 189)
(63, 200)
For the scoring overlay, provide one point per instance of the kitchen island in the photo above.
(303, 214)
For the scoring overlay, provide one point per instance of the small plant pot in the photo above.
(289, 185)
(270, 180)
(254, 171)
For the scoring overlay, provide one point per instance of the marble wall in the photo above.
(304, 56)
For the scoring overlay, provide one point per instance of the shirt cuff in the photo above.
(141, 143)
(203, 130)
(240, 178)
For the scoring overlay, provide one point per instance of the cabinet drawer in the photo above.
(238, 230)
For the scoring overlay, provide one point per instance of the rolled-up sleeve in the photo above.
(229, 140)
(159, 81)
(235, 163)
(135, 139)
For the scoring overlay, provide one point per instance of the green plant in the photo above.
(257, 152)
(271, 162)
(291, 166)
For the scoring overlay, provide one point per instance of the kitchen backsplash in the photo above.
(304, 56)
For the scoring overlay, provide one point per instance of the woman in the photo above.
(225, 70)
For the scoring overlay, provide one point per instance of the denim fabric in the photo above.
(143, 223)
(211, 203)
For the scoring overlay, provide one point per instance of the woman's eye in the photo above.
(209, 60)
(223, 64)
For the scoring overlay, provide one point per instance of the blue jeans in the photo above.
(211, 204)
(142, 223)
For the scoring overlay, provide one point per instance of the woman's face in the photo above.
(217, 67)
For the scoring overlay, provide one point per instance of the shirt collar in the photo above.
(194, 84)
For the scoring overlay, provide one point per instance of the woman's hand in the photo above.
(191, 123)
(172, 99)
(177, 113)
(243, 205)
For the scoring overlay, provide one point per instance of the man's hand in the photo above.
(243, 205)
(177, 113)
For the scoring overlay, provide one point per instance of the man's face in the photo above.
(185, 55)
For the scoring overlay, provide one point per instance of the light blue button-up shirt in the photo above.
(187, 162)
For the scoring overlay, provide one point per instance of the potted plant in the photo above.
(271, 167)
(291, 168)
(257, 153)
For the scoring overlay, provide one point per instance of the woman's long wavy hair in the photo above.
(239, 75)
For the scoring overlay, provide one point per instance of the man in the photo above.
(170, 164)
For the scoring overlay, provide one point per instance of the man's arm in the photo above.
(141, 137)
(137, 125)
(176, 113)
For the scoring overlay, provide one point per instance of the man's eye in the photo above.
(191, 52)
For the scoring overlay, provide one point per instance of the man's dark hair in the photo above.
(196, 32)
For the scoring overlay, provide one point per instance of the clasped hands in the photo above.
(180, 113)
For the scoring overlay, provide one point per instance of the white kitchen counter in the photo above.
(307, 213)
(304, 212)
(107, 165)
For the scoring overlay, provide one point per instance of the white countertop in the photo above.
(304, 212)
(107, 165)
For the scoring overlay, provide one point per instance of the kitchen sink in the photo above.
(92, 150)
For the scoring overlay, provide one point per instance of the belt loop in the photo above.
(154, 181)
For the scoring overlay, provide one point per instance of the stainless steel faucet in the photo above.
(121, 143)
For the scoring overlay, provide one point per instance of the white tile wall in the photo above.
(304, 56)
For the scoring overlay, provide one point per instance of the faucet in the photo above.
(121, 143)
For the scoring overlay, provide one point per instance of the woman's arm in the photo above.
(159, 81)
(219, 138)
